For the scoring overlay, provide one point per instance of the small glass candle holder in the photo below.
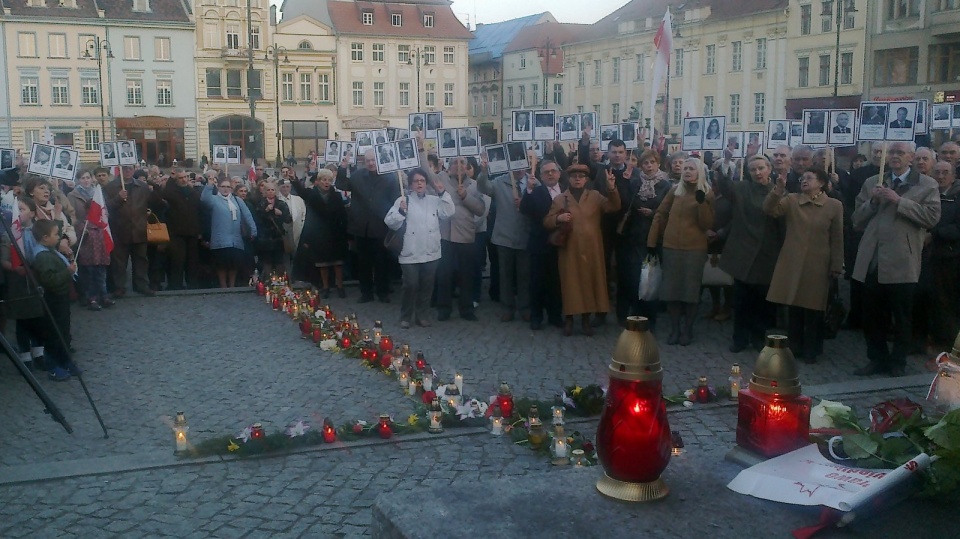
(578, 459)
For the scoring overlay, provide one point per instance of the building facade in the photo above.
(533, 76)
(80, 72)
(914, 51)
(486, 68)
(727, 60)
(231, 39)
(396, 58)
(827, 50)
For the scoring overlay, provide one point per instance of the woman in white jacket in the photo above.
(421, 243)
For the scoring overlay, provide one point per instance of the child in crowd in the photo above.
(54, 273)
(22, 301)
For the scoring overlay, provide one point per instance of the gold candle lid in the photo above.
(776, 371)
(636, 355)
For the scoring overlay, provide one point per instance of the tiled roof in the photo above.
(317, 9)
(346, 18)
(491, 39)
(114, 10)
(655, 9)
(549, 34)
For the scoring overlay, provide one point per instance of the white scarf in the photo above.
(234, 210)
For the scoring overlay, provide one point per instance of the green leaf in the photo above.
(845, 419)
(859, 446)
(946, 433)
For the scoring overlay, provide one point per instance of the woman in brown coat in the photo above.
(583, 280)
(681, 223)
(811, 258)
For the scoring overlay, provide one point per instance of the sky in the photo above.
(578, 11)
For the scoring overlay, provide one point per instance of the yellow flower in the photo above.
(412, 420)
(232, 446)
(577, 390)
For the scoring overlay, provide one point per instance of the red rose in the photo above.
(385, 361)
(428, 396)
(357, 428)
(588, 448)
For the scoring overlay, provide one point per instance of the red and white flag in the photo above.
(252, 174)
(97, 215)
(663, 41)
(17, 235)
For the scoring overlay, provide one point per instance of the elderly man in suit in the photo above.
(894, 212)
(544, 268)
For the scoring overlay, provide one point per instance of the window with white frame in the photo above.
(29, 91)
(826, 16)
(164, 93)
(902, 9)
(378, 94)
(803, 71)
(449, 55)
(379, 51)
(324, 87)
(91, 140)
(404, 92)
(59, 91)
(27, 44)
(429, 55)
(494, 106)
(759, 108)
(357, 93)
(141, 5)
(214, 82)
(448, 94)
(476, 105)
(806, 17)
(211, 35)
(711, 63)
(356, 52)
(427, 20)
(510, 96)
(616, 69)
(641, 66)
(615, 113)
(403, 53)
(581, 74)
(678, 62)
(523, 61)
(234, 83)
(89, 91)
(557, 94)
(708, 105)
(306, 87)
(135, 92)
(846, 68)
(824, 78)
(366, 17)
(161, 49)
(131, 48)
(737, 48)
(286, 87)
(233, 36)
(761, 53)
(396, 19)
(430, 94)
(30, 136)
(522, 93)
(255, 36)
(535, 94)
(597, 72)
(486, 102)
(735, 108)
(677, 110)
(86, 42)
(57, 43)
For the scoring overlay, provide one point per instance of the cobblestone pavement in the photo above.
(228, 361)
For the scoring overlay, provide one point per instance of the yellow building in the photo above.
(728, 60)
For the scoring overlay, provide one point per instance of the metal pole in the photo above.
(276, 98)
(418, 78)
(836, 56)
(253, 101)
(103, 114)
(666, 108)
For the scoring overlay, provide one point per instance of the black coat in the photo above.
(535, 206)
(324, 235)
(270, 225)
(183, 210)
(371, 197)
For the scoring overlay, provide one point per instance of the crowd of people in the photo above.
(767, 237)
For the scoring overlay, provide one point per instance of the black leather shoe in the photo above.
(871, 368)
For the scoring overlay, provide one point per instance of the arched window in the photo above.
(237, 130)
(305, 45)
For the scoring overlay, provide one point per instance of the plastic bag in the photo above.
(650, 277)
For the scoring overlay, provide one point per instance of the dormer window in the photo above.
(305, 45)
(428, 20)
(141, 5)
(367, 18)
(396, 19)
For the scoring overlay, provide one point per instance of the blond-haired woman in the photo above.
(271, 214)
(681, 224)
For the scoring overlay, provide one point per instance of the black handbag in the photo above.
(393, 241)
(834, 314)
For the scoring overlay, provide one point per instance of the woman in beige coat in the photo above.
(810, 260)
(583, 279)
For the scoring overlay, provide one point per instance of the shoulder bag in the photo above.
(558, 236)
(156, 231)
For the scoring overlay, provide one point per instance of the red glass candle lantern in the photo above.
(374, 355)
(633, 439)
(305, 327)
(329, 432)
(385, 360)
(256, 432)
(261, 288)
(421, 361)
(317, 335)
(383, 429)
(702, 393)
(276, 303)
(773, 416)
(505, 400)
(314, 302)
(346, 341)
(365, 353)
(328, 311)
(386, 343)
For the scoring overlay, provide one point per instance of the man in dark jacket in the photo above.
(851, 237)
(128, 200)
(371, 197)
(183, 223)
(544, 269)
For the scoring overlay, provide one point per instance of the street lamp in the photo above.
(94, 51)
(844, 8)
(419, 63)
(273, 54)
(546, 52)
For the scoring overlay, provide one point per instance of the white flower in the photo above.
(688, 393)
(245, 434)
(321, 314)
(297, 429)
(820, 414)
(687, 404)
(328, 345)
(567, 400)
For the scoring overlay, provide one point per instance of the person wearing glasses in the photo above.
(230, 222)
